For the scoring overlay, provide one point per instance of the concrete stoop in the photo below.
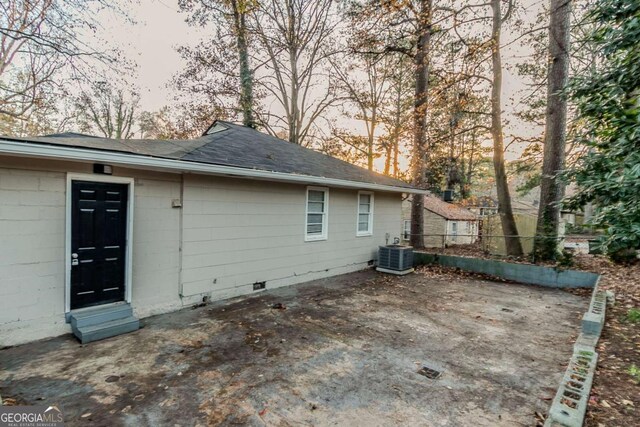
(570, 403)
(102, 322)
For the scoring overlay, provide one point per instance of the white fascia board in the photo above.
(57, 152)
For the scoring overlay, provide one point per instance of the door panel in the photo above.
(98, 242)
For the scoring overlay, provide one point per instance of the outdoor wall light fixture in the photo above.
(102, 169)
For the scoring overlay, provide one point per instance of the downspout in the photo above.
(181, 237)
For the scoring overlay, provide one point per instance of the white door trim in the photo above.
(129, 245)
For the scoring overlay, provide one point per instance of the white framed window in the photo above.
(365, 213)
(454, 231)
(406, 229)
(317, 214)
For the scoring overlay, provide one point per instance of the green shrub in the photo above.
(634, 371)
(633, 315)
(622, 256)
(565, 259)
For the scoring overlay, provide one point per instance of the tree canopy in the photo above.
(608, 102)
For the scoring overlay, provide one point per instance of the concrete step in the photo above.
(100, 314)
(108, 329)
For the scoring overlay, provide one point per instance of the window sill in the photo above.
(315, 239)
(364, 234)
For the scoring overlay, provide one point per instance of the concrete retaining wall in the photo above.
(523, 273)
(570, 403)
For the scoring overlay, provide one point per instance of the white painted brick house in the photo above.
(90, 227)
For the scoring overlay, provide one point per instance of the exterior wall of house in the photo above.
(233, 233)
(32, 227)
(434, 226)
(32, 253)
(462, 233)
(568, 217)
(238, 232)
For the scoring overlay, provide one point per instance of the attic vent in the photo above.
(216, 128)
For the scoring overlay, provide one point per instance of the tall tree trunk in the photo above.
(466, 188)
(555, 135)
(509, 229)
(371, 139)
(396, 155)
(246, 76)
(421, 63)
(397, 128)
(387, 159)
(294, 118)
(451, 162)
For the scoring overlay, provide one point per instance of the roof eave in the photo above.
(449, 218)
(55, 152)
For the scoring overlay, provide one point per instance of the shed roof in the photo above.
(447, 210)
(231, 146)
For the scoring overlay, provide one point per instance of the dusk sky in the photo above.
(159, 28)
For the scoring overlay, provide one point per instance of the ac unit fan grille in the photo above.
(395, 257)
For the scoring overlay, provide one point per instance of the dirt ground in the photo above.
(339, 351)
(615, 396)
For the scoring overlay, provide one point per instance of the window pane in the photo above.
(363, 226)
(316, 207)
(365, 208)
(316, 196)
(365, 199)
(363, 218)
(314, 229)
(314, 219)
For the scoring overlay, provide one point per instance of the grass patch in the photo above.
(633, 315)
(634, 371)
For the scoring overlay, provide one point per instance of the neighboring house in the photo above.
(484, 206)
(444, 223)
(156, 225)
(526, 207)
(573, 218)
(480, 206)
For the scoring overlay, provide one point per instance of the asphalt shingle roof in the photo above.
(231, 145)
(447, 210)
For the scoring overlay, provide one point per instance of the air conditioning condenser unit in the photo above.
(395, 259)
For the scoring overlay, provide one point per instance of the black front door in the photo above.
(98, 242)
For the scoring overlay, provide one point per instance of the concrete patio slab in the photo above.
(338, 351)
